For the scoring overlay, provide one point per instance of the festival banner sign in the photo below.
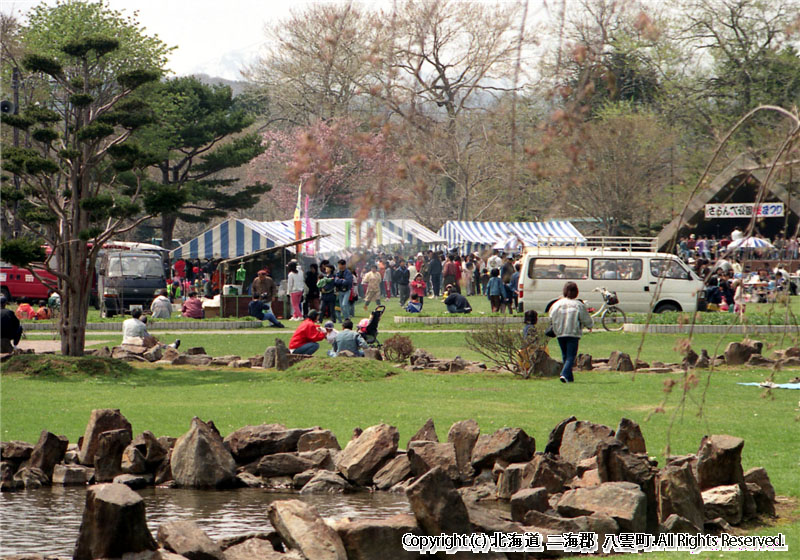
(745, 210)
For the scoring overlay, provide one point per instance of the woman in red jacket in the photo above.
(305, 338)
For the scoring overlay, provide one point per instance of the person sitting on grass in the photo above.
(10, 328)
(134, 332)
(260, 309)
(455, 302)
(192, 308)
(349, 340)
(305, 339)
(415, 305)
(531, 318)
(161, 308)
(43, 313)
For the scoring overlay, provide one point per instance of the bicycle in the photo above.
(612, 317)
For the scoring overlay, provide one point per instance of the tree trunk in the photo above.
(75, 299)
(167, 229)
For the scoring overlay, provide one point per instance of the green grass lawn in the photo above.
(326, 393)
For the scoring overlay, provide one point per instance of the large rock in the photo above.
(252, 442)
(726, 502)
(737, 353)
(556, 434)
(153, 450)
(113, 524)
(301, 527)
(437, 505)
(620, 361)
(622, 501)
(426, 433)
(324, 458)
(463, 435)
(513, 478)
(153, 354)
(630, 434)
(326, 482)
(108, 456)
(317, 439)
(425, 455)
(282, 464)
(133, 461)
(257, 549)
(365, 455)
(15, 451)
(765, 495)
(192, 360)
(551, 472)
(101, 420)
(512, 445)
(581, 440)
(30, 478)
(281, 355)
(71, 475)
(596, 523)
(269, 358)
(393, 472)
(47, 453)
(616, 464)
(526, 500)
(378, 539)
(677, 493)
(188, 540)
(200, 460)
(134, 481)
(719, 461)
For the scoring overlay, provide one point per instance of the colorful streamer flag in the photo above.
(309, 231)
(347, 234)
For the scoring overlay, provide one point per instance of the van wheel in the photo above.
(667, 307)
(6, 293)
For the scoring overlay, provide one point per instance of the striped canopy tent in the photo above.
(237, 237)
(471, 236)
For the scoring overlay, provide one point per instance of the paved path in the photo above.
(52, 345)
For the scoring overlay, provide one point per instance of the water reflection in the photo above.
(47, 520)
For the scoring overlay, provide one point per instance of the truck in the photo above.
(128, 277)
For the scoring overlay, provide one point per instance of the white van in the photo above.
(642, 279)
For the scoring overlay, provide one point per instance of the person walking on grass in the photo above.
(568, 318)
(372, 291)
(495, 291)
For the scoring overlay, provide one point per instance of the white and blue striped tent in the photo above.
(237, 237)
(471, 236)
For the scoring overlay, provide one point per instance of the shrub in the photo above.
(508, 349)
(398, 348)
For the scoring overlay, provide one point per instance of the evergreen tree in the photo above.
(80, 174)
(198, 136)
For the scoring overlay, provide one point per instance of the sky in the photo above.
(214, 37)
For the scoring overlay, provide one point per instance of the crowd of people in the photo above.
(692, 247)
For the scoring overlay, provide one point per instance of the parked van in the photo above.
(128, 277)
(643, 279)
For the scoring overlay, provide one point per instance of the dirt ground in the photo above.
(39, 346)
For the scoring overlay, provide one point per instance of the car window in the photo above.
(668, 268)
(616, 269)
(570, 269)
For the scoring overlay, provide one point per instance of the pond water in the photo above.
(47, 520)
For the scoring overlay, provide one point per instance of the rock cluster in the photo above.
(589, 477)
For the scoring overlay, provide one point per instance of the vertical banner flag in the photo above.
(347, 234)
(379, 233)
(298, 225)
(309, 244)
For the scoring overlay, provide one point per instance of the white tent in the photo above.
(470, 236)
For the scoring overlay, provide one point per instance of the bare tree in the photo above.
(316, 66)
